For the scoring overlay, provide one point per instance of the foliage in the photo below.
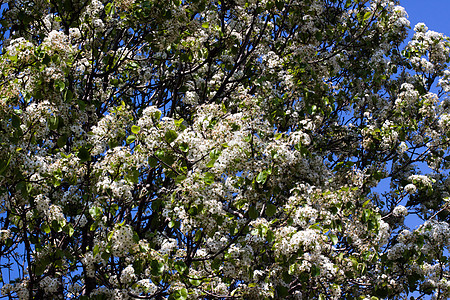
(222, 149)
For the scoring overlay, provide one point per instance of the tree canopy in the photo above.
(227, 149)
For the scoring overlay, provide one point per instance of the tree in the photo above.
(222, 149)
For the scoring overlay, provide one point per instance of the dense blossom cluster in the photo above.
(222, 149)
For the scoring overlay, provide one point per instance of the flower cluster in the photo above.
(122, 240)
(198, 149)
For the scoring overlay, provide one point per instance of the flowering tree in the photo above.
(222, 149)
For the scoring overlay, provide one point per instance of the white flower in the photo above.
(420, 27)
(4, 234)
(421, 180)
(6, 289)
(400, 211)
(55, 213)
(98, 25)
(191, 98)
(146, 286)
(127, 275)
(74, 33)
(300, 137)
(410, 188)
(42, 203)
(402, 147)
(81, 220)
(122, 240)
(49, 284)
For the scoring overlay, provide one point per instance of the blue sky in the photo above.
(434, 13)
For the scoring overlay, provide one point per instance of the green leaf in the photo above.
(195, 209)
(83, 154)
(179, 124)
(95, 212)
(62, 140)
(41, 266)
(210, 164)
(133, 65)
(194, 282)
(4, 164)
(252, 212)
(152, 161)
(157, 114)
(157, 268)
(172, 224)
(279, 4)
(108, 8)
(208, 178)
(205, 25)
(216, 263)
(183, 293)
(314, 226)
(60, 85)
(367, 15)
(333, 238)
(214, 154)
(180, 178)
(22, 187)
(131, 139)
(56, 226)
(270, 210)
(180, 266)
(53, 122)
(93, 226)
(315, 270)
(270, 237)
(282, 292)
(68, 95)
(16, 121)
(170, 136)
(198, 235)
(136, 238)
(318, 36)
(262, 177)
(184, 147)
(132, 176)
(105, 255)
(69, 229)
(180, 294)
(96, 250)
(135, 129)
(81, 104)
(365, 203)
(45, 228)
